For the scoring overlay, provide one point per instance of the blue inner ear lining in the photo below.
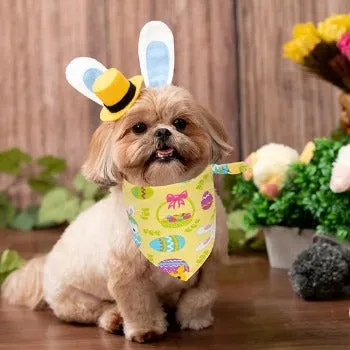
(90, 76)
(157, 57)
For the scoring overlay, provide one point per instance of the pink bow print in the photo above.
(174, 199)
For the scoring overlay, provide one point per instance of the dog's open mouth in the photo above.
(166, 154)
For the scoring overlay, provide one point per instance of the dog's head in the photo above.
(164, 138)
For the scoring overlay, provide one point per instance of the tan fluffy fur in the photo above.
(24, 286)
(95, 273)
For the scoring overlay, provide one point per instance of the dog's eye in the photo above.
(139, 128)
(180, 124)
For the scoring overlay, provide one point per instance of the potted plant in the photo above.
(273, 202)
(303, 205)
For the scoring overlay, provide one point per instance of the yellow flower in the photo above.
(302, 29)
(308, 153)
(305, 38)
(300, 47)
(340, 20)
(332, 28)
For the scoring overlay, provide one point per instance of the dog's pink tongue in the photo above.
(165, 152)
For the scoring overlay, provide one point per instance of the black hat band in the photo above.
(130, 94)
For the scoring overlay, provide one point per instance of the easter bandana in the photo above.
(174, 225)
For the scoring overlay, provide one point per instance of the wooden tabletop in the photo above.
(256, 310)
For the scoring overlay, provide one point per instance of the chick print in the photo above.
(180, 273)
(177, 268)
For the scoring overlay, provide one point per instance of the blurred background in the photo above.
(228, 54)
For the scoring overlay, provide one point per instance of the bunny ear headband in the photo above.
(110, 88)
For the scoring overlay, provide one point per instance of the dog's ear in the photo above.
(217, 133)
(100, 166)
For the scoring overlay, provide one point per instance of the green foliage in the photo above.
(47, 179)
(7, 210)
(240, 236)
(87, 203)
(340, 135)
(285, 210)
(41, 185)
(56, 206)
(59, 205)
(240, 192)
(10, 261)
(88, 189)
(24, 221)
(62, 205)
(243, 192)
(331, 210)
(52, 165)
(12, 160)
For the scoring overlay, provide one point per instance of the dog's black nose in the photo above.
(162, 133)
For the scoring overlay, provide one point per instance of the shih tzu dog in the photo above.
(95, 274)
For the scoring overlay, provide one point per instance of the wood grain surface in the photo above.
(40, 112)
(256, 310)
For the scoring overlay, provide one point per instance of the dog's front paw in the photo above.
(111, 321)
(140, 335)
(197, 323)
(145, 336)
(152, 331)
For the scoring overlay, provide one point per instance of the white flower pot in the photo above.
(285, 243)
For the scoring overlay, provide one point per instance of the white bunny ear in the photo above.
(82, 72)
(156, 54)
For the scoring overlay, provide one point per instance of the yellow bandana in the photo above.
(174, 225)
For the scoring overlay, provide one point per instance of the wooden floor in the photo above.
(256, 310)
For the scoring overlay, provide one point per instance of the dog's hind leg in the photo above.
(73, 305)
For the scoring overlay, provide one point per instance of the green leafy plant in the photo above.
(331, 210)
(7, 210)
(10, 261)
(339, 134)
(60, 203)
(286, 210)
(240, 236)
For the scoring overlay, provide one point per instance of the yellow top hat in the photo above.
(117, 93)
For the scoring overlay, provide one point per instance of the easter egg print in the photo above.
(171, 266)
(207, 200)
(168, 244)
(141, 192)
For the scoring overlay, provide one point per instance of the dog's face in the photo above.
(164, 138)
